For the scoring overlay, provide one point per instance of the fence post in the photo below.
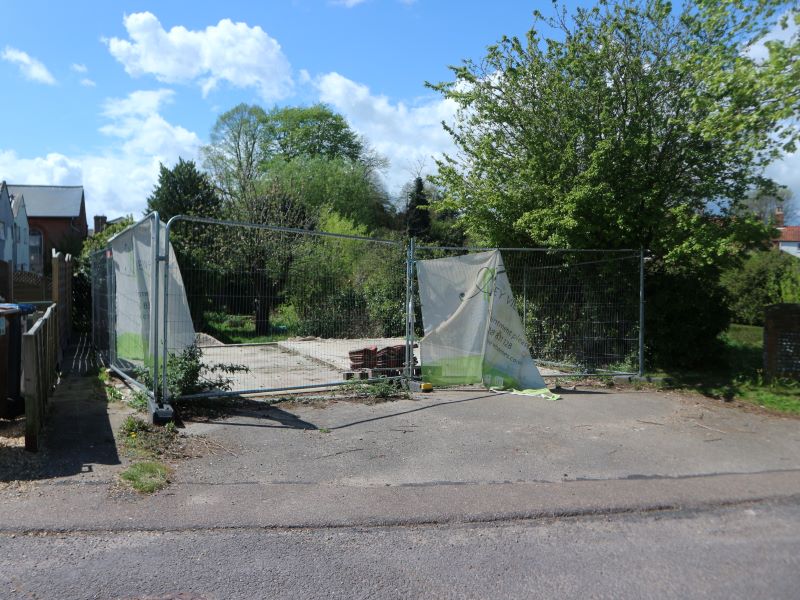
(525, 299)
(31, 376)
(409, 362)
(111, 317)
(641, 312)
(154, 301)
(68, 281)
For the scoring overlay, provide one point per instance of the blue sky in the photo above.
(98, 93)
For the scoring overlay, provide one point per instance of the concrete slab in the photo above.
(296, 362)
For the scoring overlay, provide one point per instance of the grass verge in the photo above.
(147, 477)
(738, 374)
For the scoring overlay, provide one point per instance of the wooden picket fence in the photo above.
(41, 347)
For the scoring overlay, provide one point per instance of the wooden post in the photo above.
(31, 378)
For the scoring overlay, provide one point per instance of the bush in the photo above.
(684, 314)
(766, 277)
(188, 374)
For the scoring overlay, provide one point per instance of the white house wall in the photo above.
(7, 227)
(22, 255)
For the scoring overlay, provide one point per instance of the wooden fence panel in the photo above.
(40, 348)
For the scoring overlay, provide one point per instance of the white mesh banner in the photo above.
(132, 255)
(473, 332)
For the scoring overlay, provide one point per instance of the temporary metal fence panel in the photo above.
(580, 308)
(278, 308)
(268, 308)
(124, 311)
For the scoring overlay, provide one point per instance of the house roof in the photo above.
(50, 200)
(789, 234)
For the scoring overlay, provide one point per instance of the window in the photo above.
(37, 262)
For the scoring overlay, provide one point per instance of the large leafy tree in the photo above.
(184, 190)
(296, 131)
(235, 151)
(631, 127)
(311, 153)
(418, 217)
(344, 186)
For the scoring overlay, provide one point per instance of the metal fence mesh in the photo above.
(122, 292)
(580, 309)
(269, 308)
(288, 306)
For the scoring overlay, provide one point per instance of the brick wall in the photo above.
(782, 341)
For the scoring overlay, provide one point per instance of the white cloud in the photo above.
(79, 68)
(786, 171)
(86, 82)
(348, 3)
(30, 68)
(241, 55)
(407, 135)
(119, 179)
(759, 51)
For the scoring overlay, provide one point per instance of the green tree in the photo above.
(345, 186)
(764, 278)
(296, 131)
(418, 217)
(633, 127)
(183, 190)
(235, 151)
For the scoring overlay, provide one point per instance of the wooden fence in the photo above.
(40, 357)
(44, 343)
(56, 287)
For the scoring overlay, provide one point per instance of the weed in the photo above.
(144, 441)
(324, 430)
(377, 391)
(147, 477)
(133, 426)
(188, 374)
(139, 401)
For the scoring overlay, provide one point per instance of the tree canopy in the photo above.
(183, 190)
(631, 126)
(311, 153)
(634, 126)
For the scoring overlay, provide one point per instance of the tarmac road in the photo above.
(745, 551)
(451, 495)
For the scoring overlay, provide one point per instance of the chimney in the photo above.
(779, 217)
(99, 223)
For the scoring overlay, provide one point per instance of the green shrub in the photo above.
(684, 314)
(766, 277)
(188, 374)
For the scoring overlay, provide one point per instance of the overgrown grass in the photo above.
(377, 391)
(147, 477)
(241, 329)
(737, 374)
(143, 441)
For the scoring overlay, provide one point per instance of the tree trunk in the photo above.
(263, 303)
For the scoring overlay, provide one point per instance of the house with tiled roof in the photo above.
(56, 219)
(789, 239)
